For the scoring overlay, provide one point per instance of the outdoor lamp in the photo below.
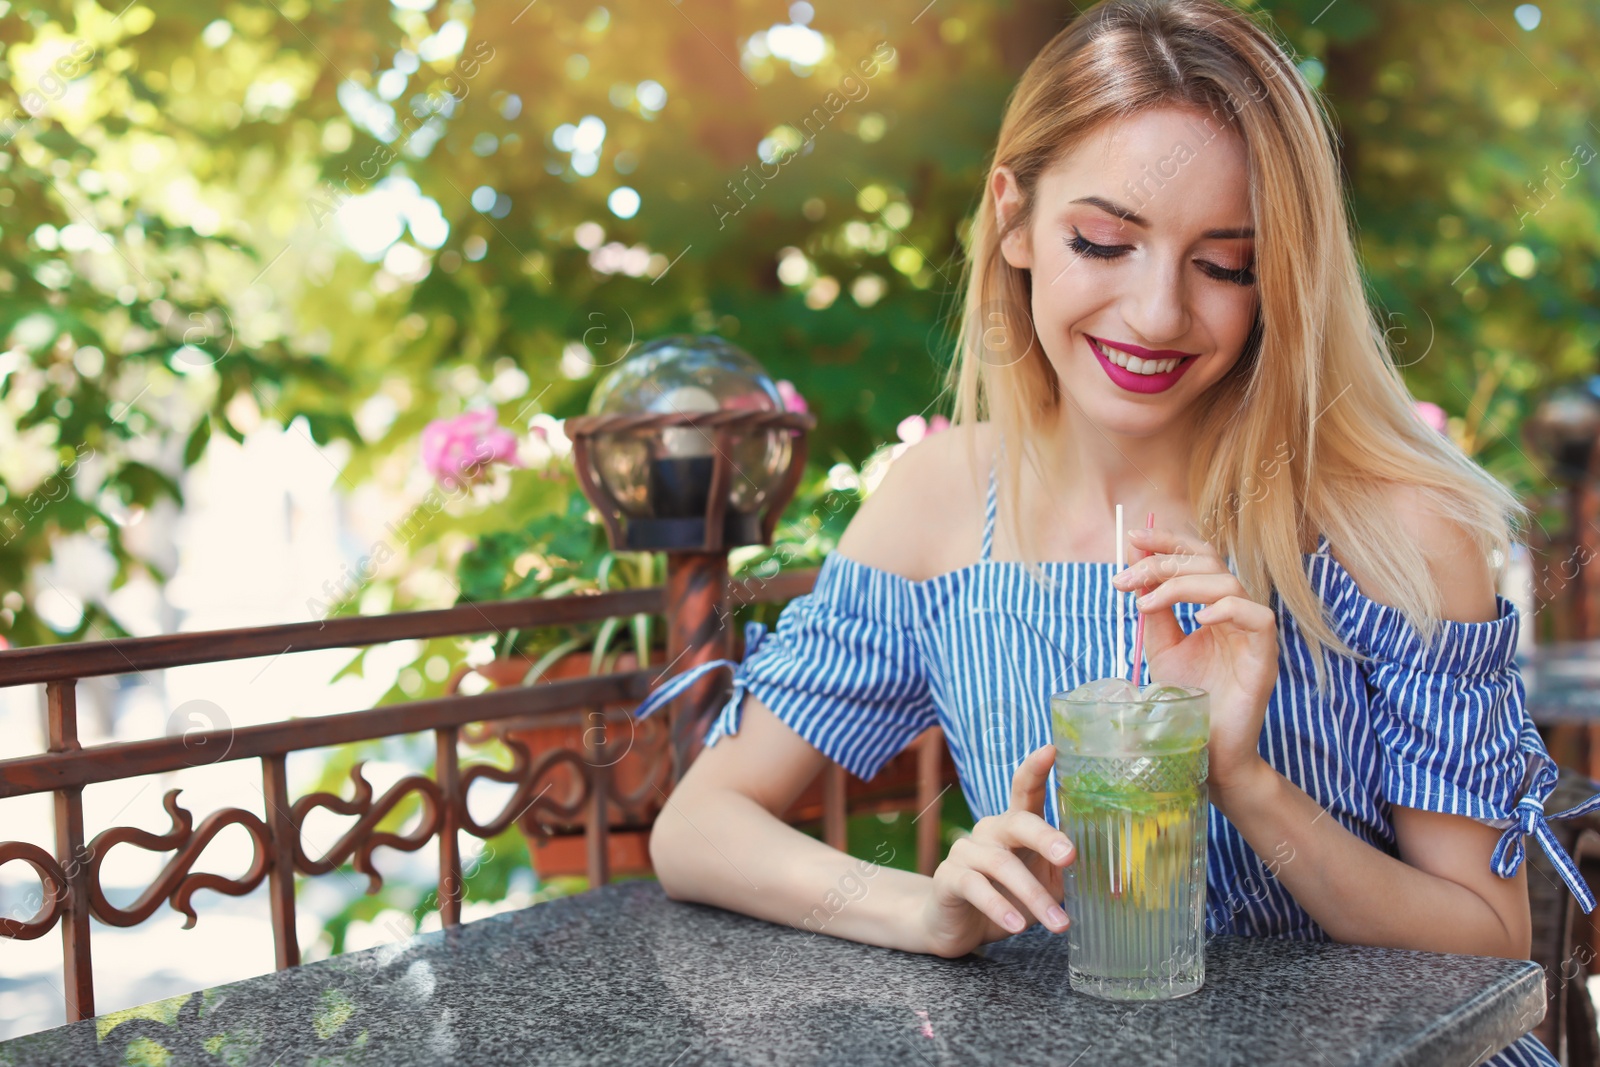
(1565, 426)
(687, 448)
(1565, 430)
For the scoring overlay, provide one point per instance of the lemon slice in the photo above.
(1142, 833)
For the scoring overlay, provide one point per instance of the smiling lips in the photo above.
(1140, 370)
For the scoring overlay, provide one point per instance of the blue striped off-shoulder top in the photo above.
(869, 659)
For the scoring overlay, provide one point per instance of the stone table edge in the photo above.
(1468, 1029)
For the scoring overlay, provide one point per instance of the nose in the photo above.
(1156, 308)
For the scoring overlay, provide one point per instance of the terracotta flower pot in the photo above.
(636, 757)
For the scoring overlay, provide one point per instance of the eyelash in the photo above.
(1089, 250)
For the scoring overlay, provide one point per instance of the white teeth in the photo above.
(1135, 363)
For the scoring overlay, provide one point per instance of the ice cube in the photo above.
(1160, 728)
(1164, 691)
(1107, 690)
(1183, 726)
(1132, 716)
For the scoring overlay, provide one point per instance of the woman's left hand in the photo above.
(1233, 655)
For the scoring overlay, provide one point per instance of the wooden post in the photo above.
(597, 827)
(1586, 587)
(447, 772)
(280, 876)
(698, 629)
(930, 760)
(77, 970)
(835, 808)
(1585, 544)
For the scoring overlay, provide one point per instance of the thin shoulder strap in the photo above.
(988, 518)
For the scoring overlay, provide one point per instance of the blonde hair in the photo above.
(1315, 410)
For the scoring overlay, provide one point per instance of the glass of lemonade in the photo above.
(1131, 782)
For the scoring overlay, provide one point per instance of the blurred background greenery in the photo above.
(352, 219)
(358, 217)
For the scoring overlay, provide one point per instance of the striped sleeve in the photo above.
(842, 668)
(1450, 714)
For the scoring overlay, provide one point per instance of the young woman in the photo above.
(1163, 309)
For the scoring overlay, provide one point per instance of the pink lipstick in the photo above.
(1132, 381)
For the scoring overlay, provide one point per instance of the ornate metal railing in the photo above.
(694, 601)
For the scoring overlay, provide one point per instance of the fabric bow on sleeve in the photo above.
(1529, 818)
(673, 687)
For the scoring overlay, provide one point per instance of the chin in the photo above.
(1119, 416)
(1135, 426)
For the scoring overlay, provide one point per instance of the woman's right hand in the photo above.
(1010, 867)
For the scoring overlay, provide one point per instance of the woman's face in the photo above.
(1141, 255)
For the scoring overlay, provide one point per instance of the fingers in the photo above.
(1201, 588)
(1239, 611)
(1024, 829)
(1155, 569)
(995, 864)
(1171, 542)
(988, 858)
(971, 886)
(1028, 785)
(1191, 588)
(1161, 631)
(1167, 564)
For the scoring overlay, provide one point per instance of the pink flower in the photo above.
(792, 400)
(465, 445)
(1433, 415)
(914, 428)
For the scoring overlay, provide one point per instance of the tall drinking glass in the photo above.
(1131, 781)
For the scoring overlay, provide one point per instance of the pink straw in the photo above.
(1138, 629)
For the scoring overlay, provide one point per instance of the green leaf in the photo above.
(196, 445)
(144, 484)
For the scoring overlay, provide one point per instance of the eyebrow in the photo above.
(1129, 215)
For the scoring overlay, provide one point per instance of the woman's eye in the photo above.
(1084, 247)
(1242, 276)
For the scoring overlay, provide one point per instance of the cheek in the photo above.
(1225, 319)
(1054, 313)
(1228, 317)
(1067, 290)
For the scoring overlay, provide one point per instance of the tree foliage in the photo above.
(351, 218)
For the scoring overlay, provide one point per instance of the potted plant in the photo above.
(563, 552)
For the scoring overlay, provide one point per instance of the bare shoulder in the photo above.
(926, 516)
(1464, 577)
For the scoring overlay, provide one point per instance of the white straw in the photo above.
(1122, 561)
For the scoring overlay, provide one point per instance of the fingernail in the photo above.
(1014, 921)
(1059, 850)
(1146, 600)
(1056, 916)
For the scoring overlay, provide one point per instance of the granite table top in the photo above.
(624, 975)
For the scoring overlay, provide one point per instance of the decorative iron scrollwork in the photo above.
(526, 805)
(177, 883)
(358, 842)
(537, 807)
(650, 742)
(52, 891)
